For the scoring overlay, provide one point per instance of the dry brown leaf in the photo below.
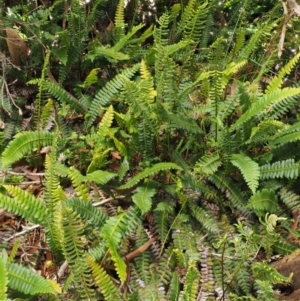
(17, 47)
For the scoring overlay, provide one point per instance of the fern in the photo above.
(23, 143)
(277, 81)
(147, 172)
(263, 103)
(280, 169)
(264, 201)
(102, 279)
(73, 244)
(143, 197)
(191, 283)
(111, 88)
(87, 211)
(249, 169)
(23, 280)
(208, 164)
(3, 275)
(26, 202)
(116, 228)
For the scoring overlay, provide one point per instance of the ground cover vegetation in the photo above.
(150, 150)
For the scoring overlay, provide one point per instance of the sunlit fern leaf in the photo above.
(99, 176)
(126, 38)
(147, 172)
(80, 188)
(23, 143)
(264, 131)
(109, 53)
(73, 245)
(3, 275)
(105, 123)
(119, 17)
(107, 287)
(208, 164)
(26, 202)
(263, 201)
(87, 211)
(21, 279)
(280, 169)
(262, 103)
(104, 95)
(192, 279)
(249, 169)
(263, 271)
(288, 138)
(114, 230)
(277, 81)
(91, 78)
(143, 197)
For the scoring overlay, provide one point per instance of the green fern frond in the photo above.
(91, 78)
(263, 271)
(119, 17)
(147, 172)
(264, 201)
(208, 164)
(63, 96)
(205, 218)
(249, 169)
(265, 102)
(233, 194)
(264, 131)
(284, 139)
(87, 211)
(143, 197)
(183, 122)
(112, 88)
(73, 244)
(290, 199)
(277, 81)
(280, 169)
(105, 123)
(80, 188)
(26, 202)
(23, 280)
(3, 275)
(23, 143)
(99, 176)
(192, 279)
(116, 228)
(174, 290)
(111, 54)
(103, 280)
(126, 38)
